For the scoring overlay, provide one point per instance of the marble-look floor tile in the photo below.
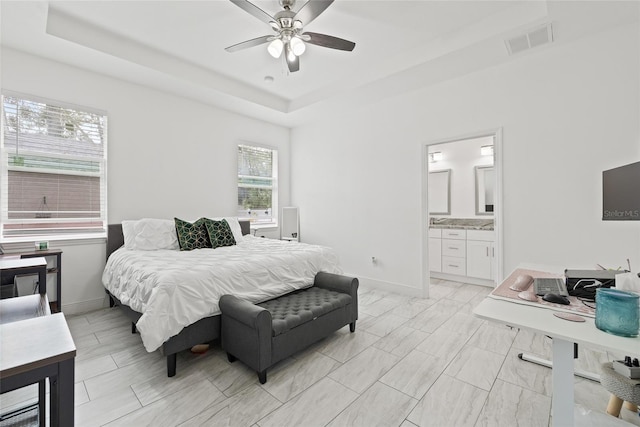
(464, 293)
(370, 296)
(476, 367)
(509, 404)
(383, 324)
(429, 320)
(449, 402)
(160, 386)
(589, 360)
(525, 374)
(401, 341)
(298, 375)
(365, 369)
(412, 308)
(316, 406)
(85, 341)
(108, 407)
(382, 305)
(243, 409)
(133, 354)
(464, 324)
(80, 326)
(231, 378)
(174, 409)
(91, 367)
(443, 344)
(437, 291)
(80, 394)
(591, 394)
(123, 378)
(379, 405)
(344, 347)
(494, 338)
(530, 342)
(414, 374)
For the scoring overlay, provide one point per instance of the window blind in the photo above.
(53, 160)
(257, 173)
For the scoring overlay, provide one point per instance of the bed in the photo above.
(171, 296)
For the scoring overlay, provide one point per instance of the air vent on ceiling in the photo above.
(532, 38)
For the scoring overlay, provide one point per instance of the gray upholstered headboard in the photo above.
(115, 238)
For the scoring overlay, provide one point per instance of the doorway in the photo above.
(462, 209)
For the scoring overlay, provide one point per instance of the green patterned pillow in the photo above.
(192, 236)
(220, 233)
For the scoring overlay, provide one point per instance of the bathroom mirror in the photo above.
(484, 190)
(440, 192)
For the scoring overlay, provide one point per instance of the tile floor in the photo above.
(412, 362)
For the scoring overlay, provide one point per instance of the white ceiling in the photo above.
(178, 46)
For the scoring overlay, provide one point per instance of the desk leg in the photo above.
(562, 376)
(42, 403)
(62, 395)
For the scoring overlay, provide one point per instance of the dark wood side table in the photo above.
(38, 348)
(56, 306)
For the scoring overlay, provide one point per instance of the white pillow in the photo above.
(150, 234)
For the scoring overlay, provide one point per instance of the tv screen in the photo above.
(621, 193)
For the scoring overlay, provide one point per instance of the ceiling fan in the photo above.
(288, 27)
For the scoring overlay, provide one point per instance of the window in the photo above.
(257, 178)
(53, 160)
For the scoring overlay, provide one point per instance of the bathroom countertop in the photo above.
(462, 223)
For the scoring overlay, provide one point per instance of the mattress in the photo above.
(173, 289)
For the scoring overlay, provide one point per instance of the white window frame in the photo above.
(256, 218)
(74, 233)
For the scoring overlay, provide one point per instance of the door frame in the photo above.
(498, 210)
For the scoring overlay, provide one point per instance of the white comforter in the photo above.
(173, 289)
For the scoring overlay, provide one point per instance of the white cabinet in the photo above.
(480, 254)
(435, 250)
(453, 265)
(462, 252)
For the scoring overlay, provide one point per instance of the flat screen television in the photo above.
(621, 193)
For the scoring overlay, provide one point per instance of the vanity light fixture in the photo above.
(436, 156)
(486, 150)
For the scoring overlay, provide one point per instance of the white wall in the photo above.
(461, 157)
(567, 114)
(167, 156)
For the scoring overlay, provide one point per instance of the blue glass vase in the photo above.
(617, 312)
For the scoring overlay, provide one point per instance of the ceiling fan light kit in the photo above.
(288, 26)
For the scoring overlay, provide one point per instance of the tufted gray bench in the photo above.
(261, 335)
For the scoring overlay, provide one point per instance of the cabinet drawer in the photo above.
(454, 234)
(454, 265)
(435, 232)
(482, 235)
(457, 248)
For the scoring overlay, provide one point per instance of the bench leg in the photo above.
(262, 376)
(615, 405)
(352, 326)
(171, 365)
(231, 358)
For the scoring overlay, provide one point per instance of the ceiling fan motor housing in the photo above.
(287, 4)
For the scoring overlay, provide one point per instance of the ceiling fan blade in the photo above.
(249, 43)
(311, 10)
(293, 63)
(254, 10)
(329, 41)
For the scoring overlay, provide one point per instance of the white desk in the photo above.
(564, 334)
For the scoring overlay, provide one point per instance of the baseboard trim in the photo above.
(397, 288)
(463, 279)
(84, 306)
